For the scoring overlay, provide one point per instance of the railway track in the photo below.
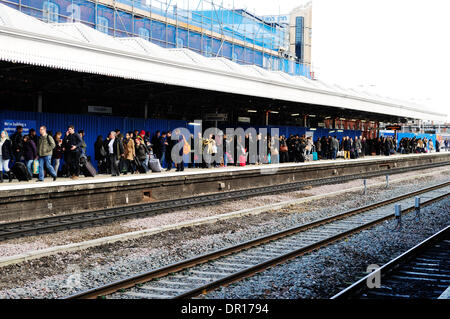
(100, 217)
(422, 272)
(204, 273)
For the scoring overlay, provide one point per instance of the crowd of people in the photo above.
(296, 148)
(42, 154)
(132, 152)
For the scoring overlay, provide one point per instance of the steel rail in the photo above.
(203, 259)
(99, 217)
(356, 289)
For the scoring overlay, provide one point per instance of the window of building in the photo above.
(144, 33)
(234, 57)
(180, 43)
(50, 12)
(299, 39)
(208, 51)
(74, 13)
(102, 24)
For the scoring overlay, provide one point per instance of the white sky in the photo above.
(396, 48)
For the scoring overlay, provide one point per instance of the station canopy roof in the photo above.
(77, 47)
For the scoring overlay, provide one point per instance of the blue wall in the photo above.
(93, 125)
(412, 135)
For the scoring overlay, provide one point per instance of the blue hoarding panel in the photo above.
(10, 125)
(93, 125)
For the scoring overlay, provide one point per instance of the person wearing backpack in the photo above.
(46, 144)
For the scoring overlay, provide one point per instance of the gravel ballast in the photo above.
(324, 273)
(68, 273)
(22, 245)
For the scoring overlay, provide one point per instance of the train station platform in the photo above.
(25, 200)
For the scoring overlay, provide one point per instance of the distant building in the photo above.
(298, 38)
(300, 33)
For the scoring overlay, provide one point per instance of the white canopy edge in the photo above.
(77, 47)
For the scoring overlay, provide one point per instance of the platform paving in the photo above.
(102, 178)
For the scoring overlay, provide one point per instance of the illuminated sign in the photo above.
(276, 19)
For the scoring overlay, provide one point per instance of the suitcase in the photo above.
(87, 169)
(21, 172)
(242, 160)
(155, 165)
(315, 156)
(309, 158)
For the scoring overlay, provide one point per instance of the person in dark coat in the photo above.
(6, 154)
(156, 144)
(33, 136)
(346, 145)
(162, 144)
(180, 166)
(141, 154)
(169, 146)
(17, 144)
(71, 145)
(100, 155)
(387, 147)
(29, 152)
(115, 150)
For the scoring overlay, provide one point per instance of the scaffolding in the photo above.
(204, 26)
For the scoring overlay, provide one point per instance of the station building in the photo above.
(202, 26)
(56, 74)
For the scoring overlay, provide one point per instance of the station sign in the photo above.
(10, 126)
(221, 117)
(394, 128)
(244, 119)
(100, 109)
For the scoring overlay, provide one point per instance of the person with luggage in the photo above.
(6, 154)
(156, 144)
(141, 156)
(284, 156)
(115, 152)
(46, 144)
(17, 144)
(71, 145)
(29, 153)
(83, 147)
